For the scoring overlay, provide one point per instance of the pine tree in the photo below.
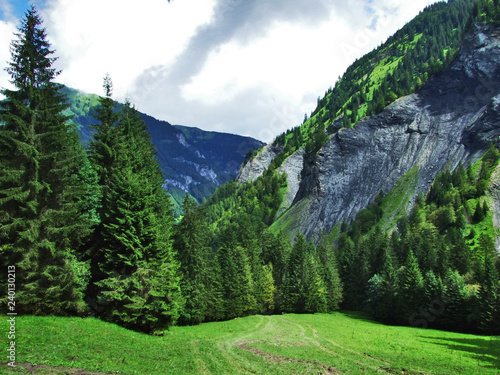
(330, 275)
(410, 290)
(353, 272)
(137, 283)
(387, 309)
(433, 301)
(315, 290)
(460, 254)
(191, 244)
(295, 290)
(102, 155)
(42, 218)
(488, 299)
(269, 297)
(479, 212)
(457, 307)
(237, 282)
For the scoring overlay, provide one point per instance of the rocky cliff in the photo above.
(451, 120)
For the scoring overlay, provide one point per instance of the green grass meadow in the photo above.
(336, 343)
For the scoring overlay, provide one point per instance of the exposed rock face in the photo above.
(451, 120)
(254, 169)
(292, 166)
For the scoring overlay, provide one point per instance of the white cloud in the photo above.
(120, 37)
(7, 30)
(244, 66)
(293, 64)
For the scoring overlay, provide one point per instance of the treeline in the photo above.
(439, 268)
(233, 266)
(242, 269)
(92, 232)
(487, 11)
(400, 66)
(85, 230)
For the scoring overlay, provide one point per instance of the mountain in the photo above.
(399, 150)
(193, 161)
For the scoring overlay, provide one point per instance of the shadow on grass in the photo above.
(359, 315)
(485, 351)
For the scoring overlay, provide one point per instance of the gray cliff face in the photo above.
(292, 166)
(254, 169)
(451, 120)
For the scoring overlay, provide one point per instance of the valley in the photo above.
(364, 240)
(338, 343)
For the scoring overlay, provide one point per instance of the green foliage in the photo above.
(345, 342)
(489, 298)
(310, 280)
(269, 286)
(43, 218)
(135, 279)
(191, 242)
(411, 287)
(400, 66)
(238, 285)
(303, 286)
(432, 271)
(487, 11)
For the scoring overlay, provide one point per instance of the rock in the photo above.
(254, 168)
(451, 120)
(292, 166)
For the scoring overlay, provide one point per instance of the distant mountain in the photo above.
(193, 161)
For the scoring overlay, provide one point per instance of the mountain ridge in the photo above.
(415, 131)
(193, 160)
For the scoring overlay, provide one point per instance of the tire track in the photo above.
(328, 370)
(376, 367)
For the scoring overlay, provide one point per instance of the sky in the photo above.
(248, 67)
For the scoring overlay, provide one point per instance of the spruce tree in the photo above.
(330, 275)
(42, 219)
(457, 307)
(294, 290)
(137, 273)
(384, 292)
(269, 289)
(410, 290)
(102, 155)
(315, 290)
(191, 242)
(237, 281)
(488, 299)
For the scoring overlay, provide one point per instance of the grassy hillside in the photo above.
(284, 344)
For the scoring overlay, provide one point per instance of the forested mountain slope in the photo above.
(398, 204)
(193, 161)
(451, 120)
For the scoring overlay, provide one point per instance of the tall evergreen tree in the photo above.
(294, 291)
(237, 281)
(191, 242)
(488, 299)
(330, 274)
(410, 289)
(42, 219)
(138, 274)
(456, 309)
(383, 292)
(102, 155)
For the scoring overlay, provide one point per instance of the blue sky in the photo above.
(251, 67)
(14, 8)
